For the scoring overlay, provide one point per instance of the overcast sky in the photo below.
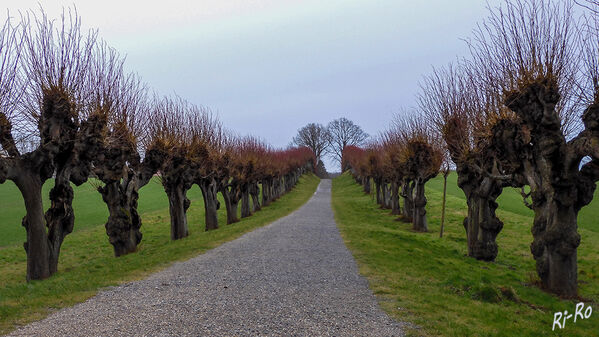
(268, 67)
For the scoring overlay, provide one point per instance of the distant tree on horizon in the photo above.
(343, 132)
(315, 137)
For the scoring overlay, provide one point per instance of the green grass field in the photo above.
(152, 198)
(428, 281)
(87, 262)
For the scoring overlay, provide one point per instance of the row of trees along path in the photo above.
(69, 111)
(522, 111)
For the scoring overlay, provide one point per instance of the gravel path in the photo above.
(294, 277)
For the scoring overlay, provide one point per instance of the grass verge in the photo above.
(87, 263)
(428, 281)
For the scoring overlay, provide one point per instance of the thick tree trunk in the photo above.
(245, 202)
(211, 205)
(471, 224)
(278, 188)
(554, 246)
(266, 189)
(419, 220)
(395, 209)
(551, 165)
(482, 225)
(273, 190)
(377, 187)
(37, 246)
(231, 203)
(290, 180)
(384, 196)
(408, 204)
(60, 218)
(232, 213)
(178, 205)
(366, 184)
(123, 225)
(388, 196)
(255, 193)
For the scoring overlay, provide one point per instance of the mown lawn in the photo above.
(87, 262)
(430, 282)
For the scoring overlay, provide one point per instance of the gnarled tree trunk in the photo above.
(254, 189)
(384, 197)
(366, 184)
(211, 204)
(408, 204)
(419, 220)
(378, 185)
(37, 245)
(395, 209)
(178, 205)
(231, 198)
(245, 201)
(59, 217)
(266, 190)
(555, 243)
(559, 187)
(482, 224)
(123, 225)
(388, 196)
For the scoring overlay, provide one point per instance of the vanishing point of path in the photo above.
(294, 277)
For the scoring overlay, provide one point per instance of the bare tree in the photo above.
(315, 137)
(56, 65)
(375, 164)
(462, 114)
(392, 166)
(343, 132)
(210, 160)
(420, 158)
(528, 52)
(170, 142)
(243, 154)
(119, 165)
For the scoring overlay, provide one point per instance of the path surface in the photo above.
(294, 277)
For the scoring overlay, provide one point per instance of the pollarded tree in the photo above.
(253, 160)
(420, 158)
(254, 173)
(55, 117)
(119, 165)
(170, 142)
(276, 173)
(243, 154)
(527, 52)
(210, 161)
(296, 162)
(354, 160)
(463, 114)
(267, 171)
(392, 166)
(374, 161)
(231, 177)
